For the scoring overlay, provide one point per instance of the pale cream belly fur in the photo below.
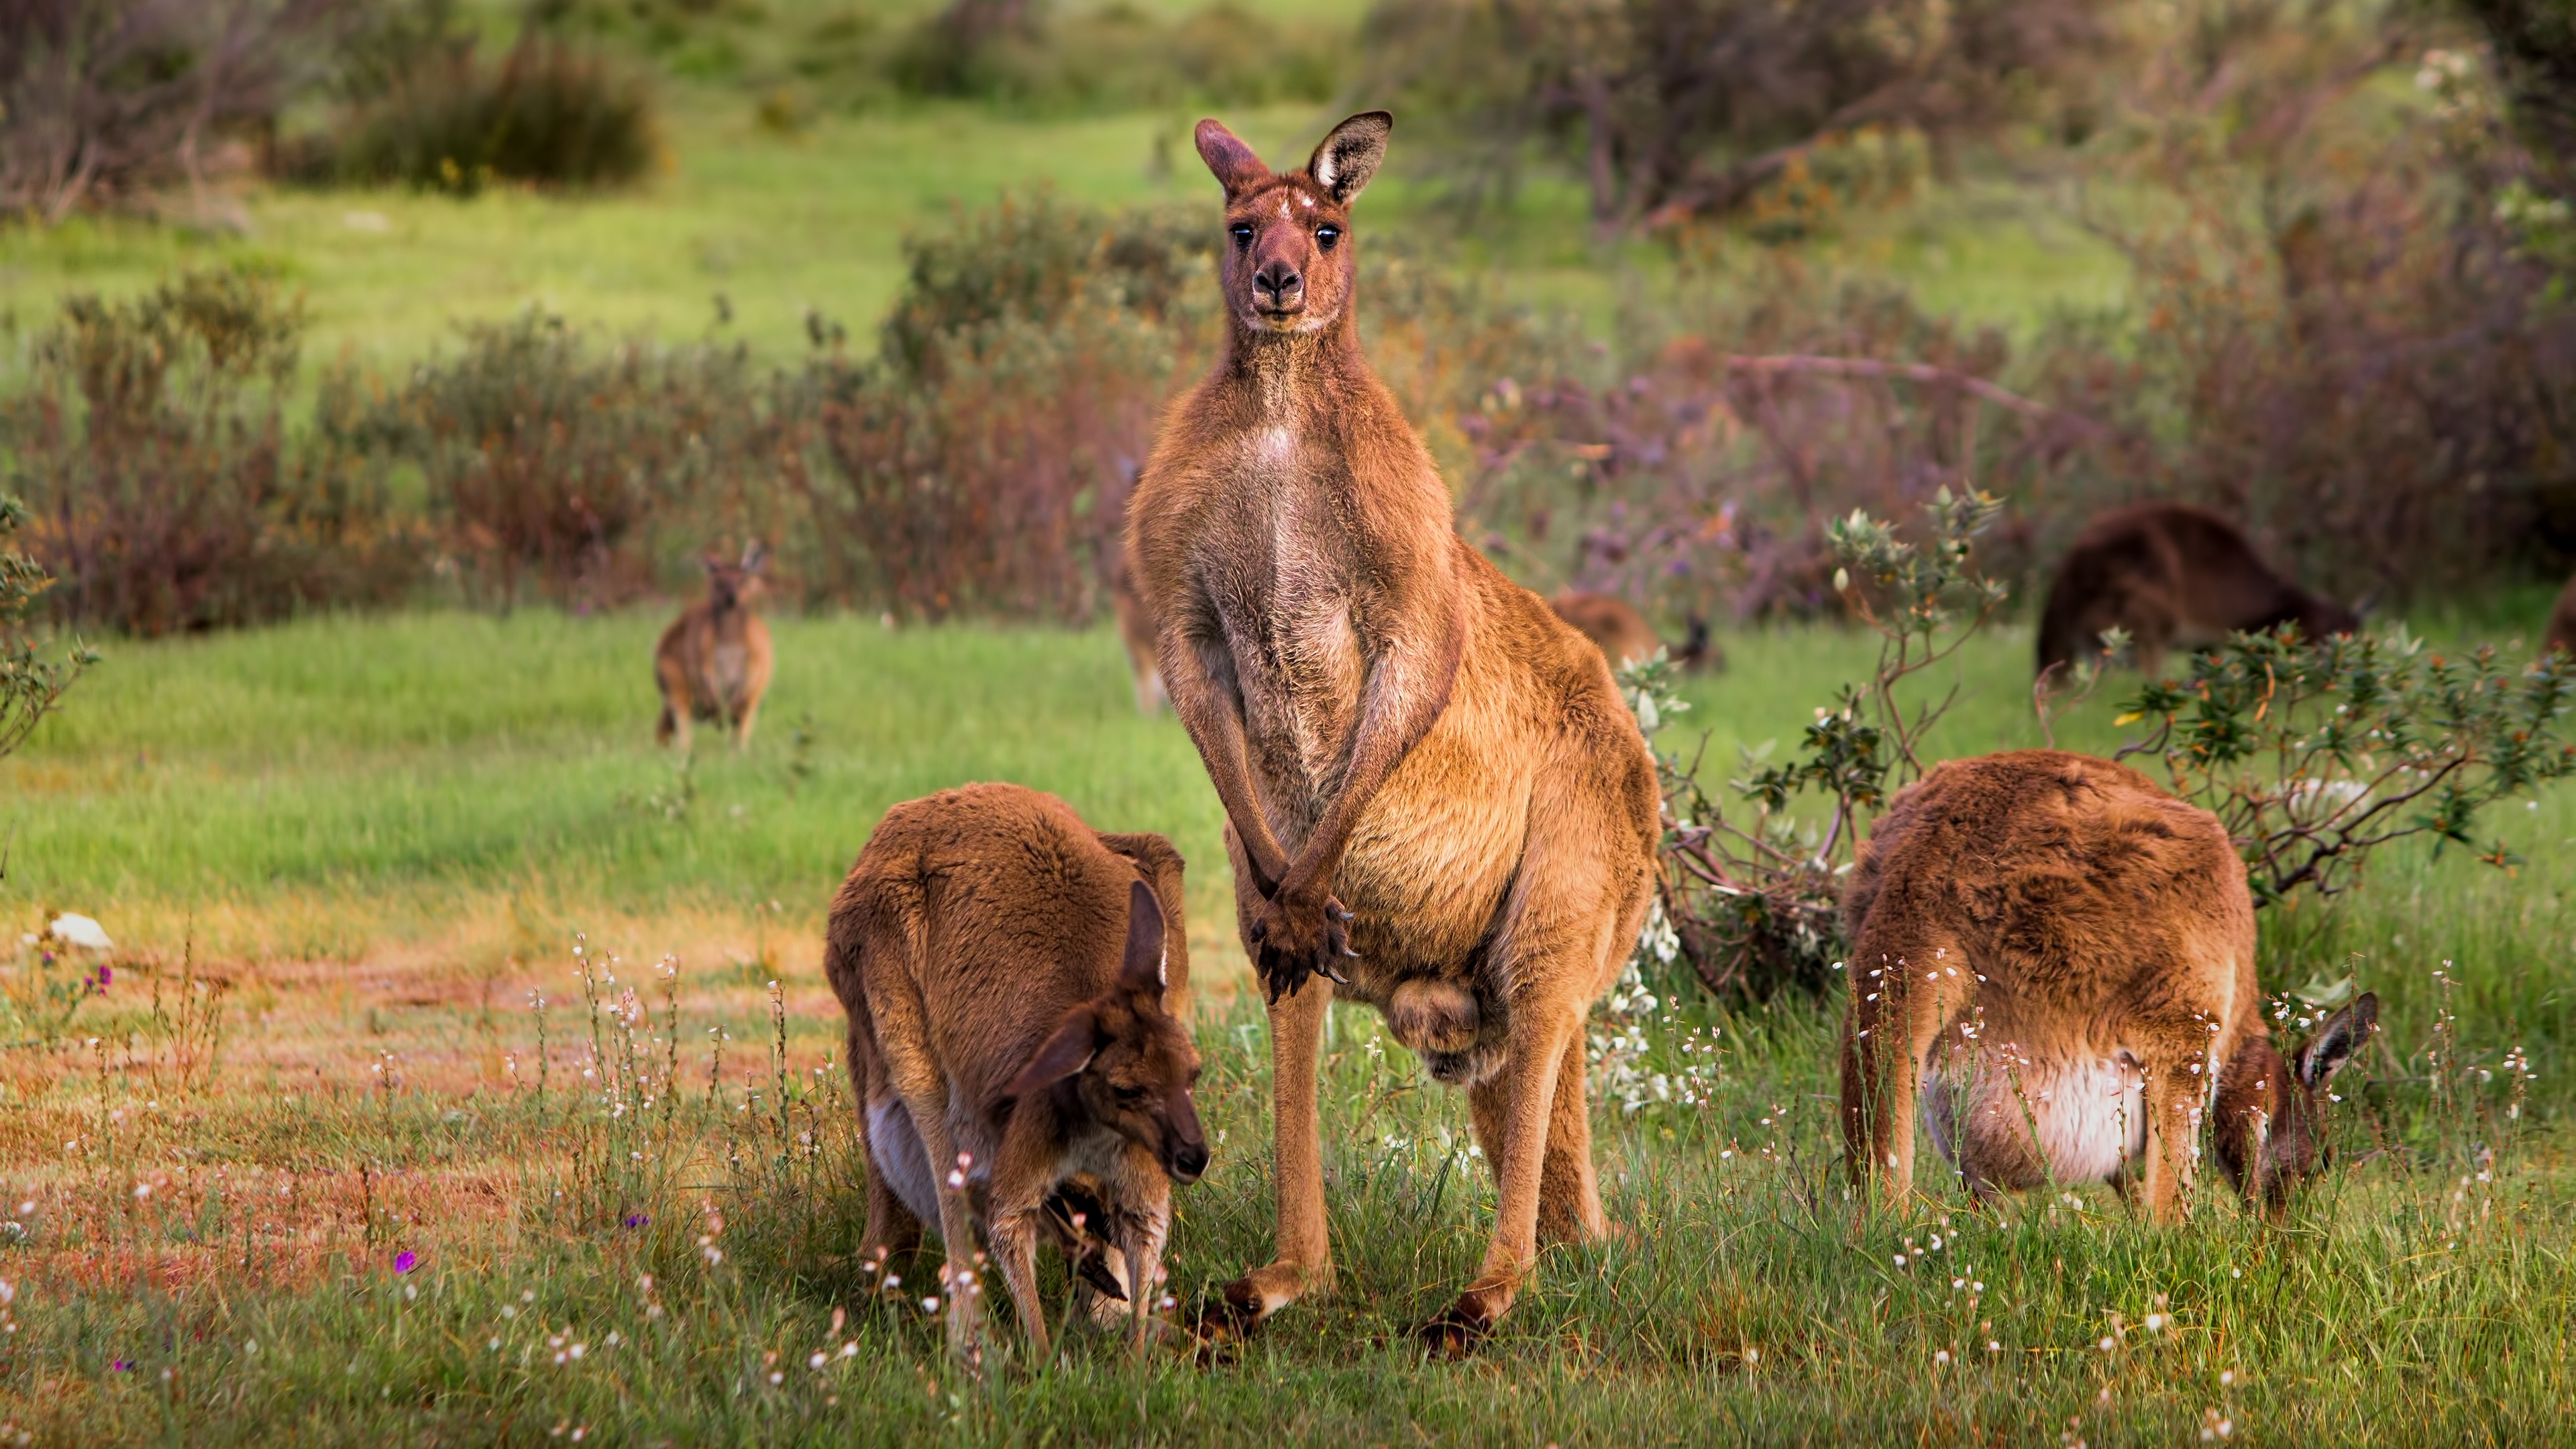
(2086, 1114)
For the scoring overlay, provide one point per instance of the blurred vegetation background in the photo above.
(316, 304)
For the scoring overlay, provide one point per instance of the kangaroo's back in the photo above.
(1615, 627)
(2171, 575)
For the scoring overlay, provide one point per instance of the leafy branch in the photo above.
(1755, 906)
(31, 686)
(2315, 754)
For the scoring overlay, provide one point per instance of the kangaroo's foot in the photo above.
(1462, 1327)
(1251, 1298)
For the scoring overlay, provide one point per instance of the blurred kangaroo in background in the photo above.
(1017, 986)
(1623, 635)
(713, 662)
(1136, 628)
(2057, 958)
(2562, 622)
(2172, 575)
(1436, 801)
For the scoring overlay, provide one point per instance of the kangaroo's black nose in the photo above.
(1189, 1161)
(1280, 282)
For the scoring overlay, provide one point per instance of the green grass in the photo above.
(382, 834)
(816, 220)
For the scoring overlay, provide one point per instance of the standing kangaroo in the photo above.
(1434, 796)
(713, 662)
(2562, 622)
(2059, 958)
(1017, 988)
(2170, 574)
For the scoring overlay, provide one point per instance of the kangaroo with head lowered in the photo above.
(1436, 801)
(713, 662)
(2057, 958)
(1017, 988)
(2170, 574)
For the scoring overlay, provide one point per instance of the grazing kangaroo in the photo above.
(1623, 635)
(2562, 622)
(1136, 627)
(1017, 987)
(713, 662)
(2170, 574)
(1435, 798)
(2059, 957)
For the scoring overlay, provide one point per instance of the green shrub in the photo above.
(552, 114)
(152, 450)
(1116, 55)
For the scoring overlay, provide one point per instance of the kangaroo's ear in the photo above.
(2338, 1038)
(1226, 154)
(1068, 1051)
(755, 557)
(1142, 969)
(710, 563)
(1350, 155)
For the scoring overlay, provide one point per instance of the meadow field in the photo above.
(462, 1070)
(464, 1073)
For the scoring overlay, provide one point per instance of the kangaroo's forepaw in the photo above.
(1459, 1330)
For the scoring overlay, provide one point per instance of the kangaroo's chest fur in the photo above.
(1291, 608)
(721, 658)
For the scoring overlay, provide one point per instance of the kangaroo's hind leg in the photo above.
(1902, 992)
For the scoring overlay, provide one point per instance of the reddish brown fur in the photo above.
(2562, 622)
(1392, 725)
(2058, 958)
(1017, 988)
(713, 662)
(1621, 633)
(1136, 628)
(2170, 574)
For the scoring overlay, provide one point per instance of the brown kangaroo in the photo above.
(2059, 958)
(1433, 793)
(1623, 635)
(1136, 627)
(1017, 987)
(2170, 574)
(2562, 622)
(713, 662)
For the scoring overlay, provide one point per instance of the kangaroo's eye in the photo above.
(1242, 234)
(1325, 236)
(1129, 1095)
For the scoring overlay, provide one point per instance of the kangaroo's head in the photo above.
(1288, 256)
(732, 585)
(2271, 1110)
(1120, 1060)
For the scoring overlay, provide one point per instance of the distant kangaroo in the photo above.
(1429, 780)
(2170, 574)
(2562, 622)
(2058, 958)
(1136, 627)
(713, 662)
(1017, 988)
(1623, 635)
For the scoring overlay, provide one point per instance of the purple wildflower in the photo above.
(122, 1366)
(637, 1220)
(406, 1260)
